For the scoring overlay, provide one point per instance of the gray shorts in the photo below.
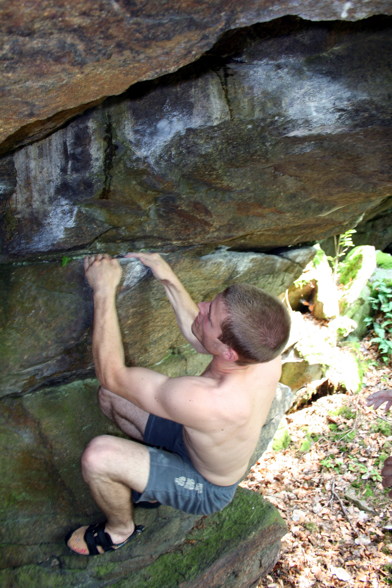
(173, 480)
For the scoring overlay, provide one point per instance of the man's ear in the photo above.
(229, 354)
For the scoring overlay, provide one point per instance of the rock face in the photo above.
(234, 548)
(285, 141)
(278, 136)
(47, 314)
(42, 437)
(58, 59)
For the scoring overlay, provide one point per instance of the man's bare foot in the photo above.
(95, 540)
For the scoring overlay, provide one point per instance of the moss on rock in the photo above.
(242, 540)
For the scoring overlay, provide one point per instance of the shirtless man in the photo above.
(213, 420)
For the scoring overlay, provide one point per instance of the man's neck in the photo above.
(220, 367)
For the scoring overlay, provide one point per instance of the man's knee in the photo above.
(98, 455)
(108, 458)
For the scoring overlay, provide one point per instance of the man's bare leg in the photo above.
(127, 416)
(111, 466)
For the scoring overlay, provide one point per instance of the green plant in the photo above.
(345, 411)
(339, 434)
(388, 570)
(383, 427)
(318, 258)
(342, 243)
(378, 462)
(333, 463)
(368, 491)
(381, 320)
(281, 440)
(384, 260)
(307, 443)
(363, 470)
(312, 527)
(65, 260)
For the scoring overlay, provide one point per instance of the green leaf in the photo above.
(65, 260)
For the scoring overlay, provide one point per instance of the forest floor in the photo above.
(325, 481)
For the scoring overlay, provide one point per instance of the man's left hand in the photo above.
(103, 273)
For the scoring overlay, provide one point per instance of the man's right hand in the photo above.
(160, 269)
(184, 307)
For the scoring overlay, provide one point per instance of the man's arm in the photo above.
(104, 274)
(184, 307)
(182, 399)
(189, 400)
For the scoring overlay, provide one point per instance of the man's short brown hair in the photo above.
(258, 325)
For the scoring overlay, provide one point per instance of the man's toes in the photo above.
(77, 543)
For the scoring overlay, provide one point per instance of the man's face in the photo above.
(207, 325)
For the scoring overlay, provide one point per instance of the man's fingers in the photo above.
(386, 473)
(376, 402)
(384, 393)
(378, 398)
(90, 259)
(372, 398)
(143, 257)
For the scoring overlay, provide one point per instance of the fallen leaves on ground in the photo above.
(327, 486)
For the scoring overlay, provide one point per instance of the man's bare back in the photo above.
(221, 450)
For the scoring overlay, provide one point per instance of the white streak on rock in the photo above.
(133, 272)
(238, 261)
(345, 10)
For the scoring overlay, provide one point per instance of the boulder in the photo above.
(59, 59)
(42, 436)
(326, 299)
(313, 362)
(276, 139)
(45, 340)
(316, 289)
(280, 405)
(235, 547)
(297, 372)
(46, 313)
(356, 271)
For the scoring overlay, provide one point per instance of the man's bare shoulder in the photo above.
(192, 383)
(267, 373)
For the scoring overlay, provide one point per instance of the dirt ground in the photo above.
(327, 486)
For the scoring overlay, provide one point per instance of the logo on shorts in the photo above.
(189, 484)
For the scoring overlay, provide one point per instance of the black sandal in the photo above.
(95, 535)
